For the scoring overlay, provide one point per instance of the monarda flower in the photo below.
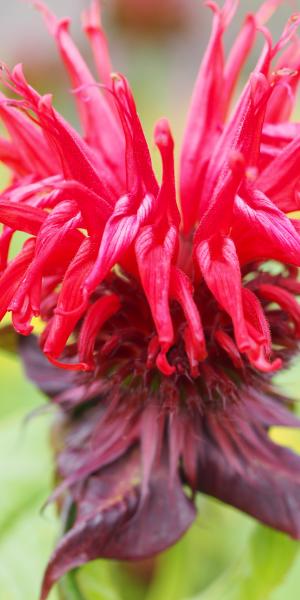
(163, 321)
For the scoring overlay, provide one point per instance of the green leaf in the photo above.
(219, 535)
(291, 584)
(271, 556)
(259, 570)
(95, 581)
(26, 536)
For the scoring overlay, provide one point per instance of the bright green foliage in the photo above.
(26, 536)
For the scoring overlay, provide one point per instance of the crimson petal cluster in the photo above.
(163, 321)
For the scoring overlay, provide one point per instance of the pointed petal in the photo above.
(132, 125)
(110, 526)
(98, 313)
(237, 58)
(220, 209)
(29, 144)
(75, 155)
(271, 494)
(204, 118)
(220, 267)
(241, 136)
(13, 275)
(228, 345)
(283, 100)
(259, 328)
(181, 290)
(22, 217)
(266, 10)
(70, 303)
(279, 180)
(58, 228)
(92, 27)
(262, 231)
(151, 435)
(285, 299)
(95, 210)
(167, 194)
(49, 379)
(101, 128)
(243, 45)
(120, 232)
(5, 241)
(154, 254)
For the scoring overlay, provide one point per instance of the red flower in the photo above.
(172, 320)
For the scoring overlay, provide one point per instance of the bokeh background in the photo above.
(226, 555)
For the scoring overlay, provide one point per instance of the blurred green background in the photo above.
(226, 555)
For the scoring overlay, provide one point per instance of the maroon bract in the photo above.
(164, 325)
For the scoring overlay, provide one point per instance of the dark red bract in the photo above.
(166, 324)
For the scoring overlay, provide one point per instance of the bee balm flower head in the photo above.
(163, 319)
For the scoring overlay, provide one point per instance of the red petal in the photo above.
(13, 275)
(181, 290)
(227, 343)
(278, 181)
(22, 217)
(77, 158)
(259, 329)
(255, 316)
(58, 227)
(29, 144)
(237, 58)
(241, 136)
(283, 100)
(75, 154)
(5, 241)
(95, 210)
(138, 155)
(98, 313)
(243, 45)
(92, 26)
(154, 254)
(167, 194)
(221, 205)
(220, 267)
(120, 231)
(101, 128)
(262, 231)
(70, 304)
(285, 299)
(205, 117)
